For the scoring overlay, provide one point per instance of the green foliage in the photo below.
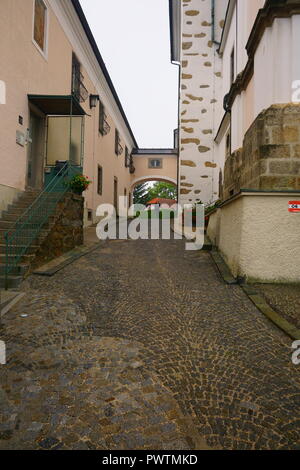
(144, 193)
(140, 194)
(79, 183)
(162, 190)
(213, 206)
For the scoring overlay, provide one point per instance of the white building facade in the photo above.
(240, 127)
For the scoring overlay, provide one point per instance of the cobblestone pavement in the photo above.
(285, 299)
(140, 345)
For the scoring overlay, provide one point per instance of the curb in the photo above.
(54, 266)
(11, 303)
(223, 268)
(257, 299)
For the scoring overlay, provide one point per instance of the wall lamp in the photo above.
(93, 100)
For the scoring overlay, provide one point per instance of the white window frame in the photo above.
(44, 52)
(155, 167)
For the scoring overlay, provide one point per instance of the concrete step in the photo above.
(12, 282)
(25, 259)
(15, 249)
(8, 217)
(19, 270)
(21, 210)
(31, 234)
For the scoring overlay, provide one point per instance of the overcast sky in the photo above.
(133, 38)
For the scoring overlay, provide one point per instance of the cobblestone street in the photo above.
(141, 345)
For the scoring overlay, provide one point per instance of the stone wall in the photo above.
(270, 157)
(201, 79)
(66, 232)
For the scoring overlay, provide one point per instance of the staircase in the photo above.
(25, 225)
(7, 225)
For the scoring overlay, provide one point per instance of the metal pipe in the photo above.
(213, 22)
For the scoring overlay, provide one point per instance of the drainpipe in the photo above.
(213, 21)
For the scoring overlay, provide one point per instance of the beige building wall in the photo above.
(264, 245)
(26, 70)
(143, 173)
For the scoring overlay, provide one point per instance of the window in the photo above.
(228, 145)
(118, 147)
(127, 158)
(100, 180)
(155, 163)
(101, 117)
(90, 215)
(232, 66)
(78, 88)
(40, 24)
(104, 127)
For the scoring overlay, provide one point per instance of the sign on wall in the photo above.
(294, 206)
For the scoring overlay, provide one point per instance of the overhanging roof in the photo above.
(61, 105)
(91, 39)
(142, 152)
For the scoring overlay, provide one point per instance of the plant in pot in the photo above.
(79, 183)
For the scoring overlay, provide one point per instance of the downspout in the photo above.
(213, 22)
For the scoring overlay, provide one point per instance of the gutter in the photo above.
(89, 34)
(228, 17)
(213, 22)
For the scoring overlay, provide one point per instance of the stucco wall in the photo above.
(26, 71)
(7, 196)
(259, 238)
(168, 172)
(213, 229)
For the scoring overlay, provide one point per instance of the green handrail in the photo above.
(28, 226)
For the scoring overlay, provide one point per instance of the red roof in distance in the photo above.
(160, 201)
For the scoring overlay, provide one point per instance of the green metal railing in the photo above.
(29, 225)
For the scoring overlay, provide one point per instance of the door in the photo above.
(35, 163)
(116, 194)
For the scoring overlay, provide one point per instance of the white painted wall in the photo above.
(277, 63)
(264, 244)
(199, 109)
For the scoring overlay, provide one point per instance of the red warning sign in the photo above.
(294, 206)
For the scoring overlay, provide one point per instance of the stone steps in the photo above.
(12, 282)
(17, 248)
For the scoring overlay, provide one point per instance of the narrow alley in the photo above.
(141, 345)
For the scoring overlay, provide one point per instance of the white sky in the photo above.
(133, 38)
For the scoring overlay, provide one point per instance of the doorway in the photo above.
(36, 141)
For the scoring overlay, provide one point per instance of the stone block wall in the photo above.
(66, 232)
(270, 157)
(200, 82)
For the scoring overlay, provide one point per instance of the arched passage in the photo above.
(154, 165)
(153, 178)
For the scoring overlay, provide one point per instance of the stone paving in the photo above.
(140, 345)
(285, 299)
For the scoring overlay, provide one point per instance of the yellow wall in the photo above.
(25, 70)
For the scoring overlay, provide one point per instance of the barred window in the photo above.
(101, 118)
(100, 180)
(127, 157)
(118, 147)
